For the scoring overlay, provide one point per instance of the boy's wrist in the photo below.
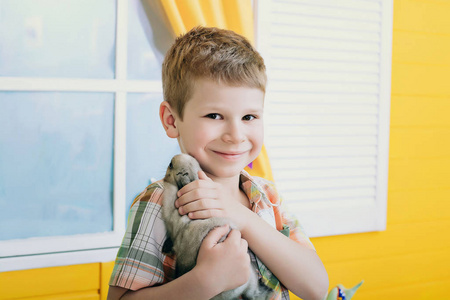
(252, 221)
(205, 282)
(245, 216)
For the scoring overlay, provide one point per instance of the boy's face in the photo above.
(222, 127)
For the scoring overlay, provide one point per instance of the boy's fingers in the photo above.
(244, 244)
(186, 188)
(215, 235)
(191, 202)
(234, 237)
(202, 176)
(204, 214)
(204, 196)
(201, 183)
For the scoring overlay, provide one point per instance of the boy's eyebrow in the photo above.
(214, 107)
(255, 111)
(258, 112)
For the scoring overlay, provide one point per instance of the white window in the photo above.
(327, 109)
(80, 135)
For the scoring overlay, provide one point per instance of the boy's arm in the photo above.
(297, 267)
(220, 267)
(189, 286)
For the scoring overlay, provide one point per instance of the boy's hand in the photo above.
(225, 265)
(204, 198)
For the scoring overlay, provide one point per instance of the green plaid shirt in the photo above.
(140, 262)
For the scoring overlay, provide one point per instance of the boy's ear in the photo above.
(168, 119)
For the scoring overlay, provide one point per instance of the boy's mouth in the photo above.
(230, 155)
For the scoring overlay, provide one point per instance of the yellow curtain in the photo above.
(236, 15)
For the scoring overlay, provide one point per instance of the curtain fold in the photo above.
(173, 15)
(213, 12)
(239, 16)
(191, 13)
(236, 15)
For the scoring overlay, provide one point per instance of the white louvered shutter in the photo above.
(327, 109)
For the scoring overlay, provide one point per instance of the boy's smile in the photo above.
(222, 127)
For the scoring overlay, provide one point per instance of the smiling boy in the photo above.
(214, 86)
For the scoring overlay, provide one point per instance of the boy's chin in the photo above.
(224, 172)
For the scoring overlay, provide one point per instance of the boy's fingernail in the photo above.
(176, 204)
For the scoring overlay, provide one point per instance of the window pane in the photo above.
(149, 150)
(146, 46)
(56, 163)
(53, 38)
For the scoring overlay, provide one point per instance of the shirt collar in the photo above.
(254, 192)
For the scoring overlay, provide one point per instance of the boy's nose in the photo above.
(234, 133)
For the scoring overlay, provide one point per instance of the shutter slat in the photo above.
(323, 87)
(330, 194)
(368, 5)
(343, 24)
(342, 77)
(328, 151)
(326, 11)
(300, 43)
(305, 185)
(310, 119)
(283, 63)
(281, 97)
(325, 33)
(277, 131)
(322, 162)
(302, 174)
(308, 141)
(327, 109)
(317, 54)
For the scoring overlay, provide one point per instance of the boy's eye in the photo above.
(214, 116)
(248, 117)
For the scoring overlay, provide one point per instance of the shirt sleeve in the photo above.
(287, 223)
(293, 226)
(140, 261)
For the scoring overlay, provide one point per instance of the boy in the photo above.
(214, 85)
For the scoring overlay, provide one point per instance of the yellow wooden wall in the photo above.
(84, 282)
(411, 259)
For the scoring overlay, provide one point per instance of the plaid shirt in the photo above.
(140, 262)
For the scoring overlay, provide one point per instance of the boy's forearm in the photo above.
(297, 267)
(188, 286)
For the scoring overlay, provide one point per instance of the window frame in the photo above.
(39, 252)
(327, 218)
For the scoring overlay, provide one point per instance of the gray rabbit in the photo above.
(185, 235)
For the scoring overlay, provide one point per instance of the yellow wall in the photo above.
(84, 282)
(411, 259)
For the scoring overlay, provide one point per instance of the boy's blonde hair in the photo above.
(209, 53)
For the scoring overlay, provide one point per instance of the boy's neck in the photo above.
(230, 184)
(231, 189)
